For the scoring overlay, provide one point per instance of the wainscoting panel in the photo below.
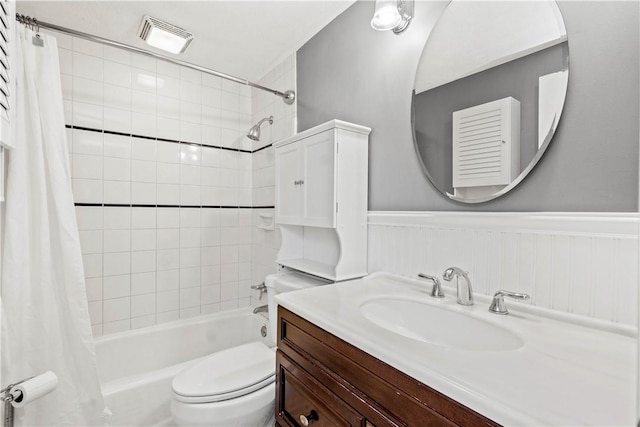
(581, 263)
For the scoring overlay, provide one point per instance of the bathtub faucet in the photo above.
(261, 309)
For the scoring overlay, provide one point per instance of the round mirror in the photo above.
(488, 95)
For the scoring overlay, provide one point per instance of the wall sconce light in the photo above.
(392, 15)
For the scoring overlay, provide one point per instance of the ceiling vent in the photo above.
(163, 35)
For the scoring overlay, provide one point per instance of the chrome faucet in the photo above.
(261, 309)
(465, 292)
(436, 290)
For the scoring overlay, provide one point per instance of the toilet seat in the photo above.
(247, 368)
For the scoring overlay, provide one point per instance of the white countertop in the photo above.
(570, 371)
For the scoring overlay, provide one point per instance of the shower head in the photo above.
(254, 132)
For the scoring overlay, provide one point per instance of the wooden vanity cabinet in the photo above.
(332, 383)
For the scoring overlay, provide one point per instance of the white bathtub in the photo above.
(136, 367)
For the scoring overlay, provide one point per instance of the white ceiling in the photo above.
(241, 38)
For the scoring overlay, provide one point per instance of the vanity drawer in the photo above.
(301, 398)
(384, 395)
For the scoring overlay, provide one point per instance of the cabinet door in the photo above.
(288, 187)
(319, 184)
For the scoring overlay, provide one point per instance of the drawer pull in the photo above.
(305, 420)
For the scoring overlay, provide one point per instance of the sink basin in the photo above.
(438, 325)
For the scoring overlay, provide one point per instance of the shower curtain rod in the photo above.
(288, 96)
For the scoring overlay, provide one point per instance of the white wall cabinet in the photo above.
(321, 200)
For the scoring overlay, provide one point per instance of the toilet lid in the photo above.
(226, 374)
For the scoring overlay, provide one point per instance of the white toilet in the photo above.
(236, 387)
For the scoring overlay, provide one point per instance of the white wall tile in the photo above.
(143, 218)
(116, 309)
(167, 259)
(94, 289)
(117, 241)
(91, 241)
(87, 91)
(143, 305)
(89, 218)
(143, 321)
(86, 142)
(168, 218)
(167, 301)
(144, 261)
(87, 66)
(87, 167)
(117, 264)
(117, 169)
(87, 115)
(143, 240)
(87, 190)
(117, 192)
(117, 120)
(143, 283)
(117, 218)
(117, 146)
(168, 279)
(93, 264)
(210, 256)
(116, 73)
(116, 286)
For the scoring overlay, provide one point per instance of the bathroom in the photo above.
(178, 222)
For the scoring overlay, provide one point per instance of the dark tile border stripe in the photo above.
(199, 144)
(119, 205)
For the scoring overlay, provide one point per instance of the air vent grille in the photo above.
(149, 22)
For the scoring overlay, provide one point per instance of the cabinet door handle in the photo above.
(301, 181)
(296, 182)
(305, 420)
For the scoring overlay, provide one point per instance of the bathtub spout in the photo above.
(261, 309)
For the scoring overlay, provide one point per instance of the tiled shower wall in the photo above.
(162, 178)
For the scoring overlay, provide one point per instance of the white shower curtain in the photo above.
(45, 323)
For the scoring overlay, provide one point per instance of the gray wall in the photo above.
(351, 72)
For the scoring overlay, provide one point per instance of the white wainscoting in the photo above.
(581, 263)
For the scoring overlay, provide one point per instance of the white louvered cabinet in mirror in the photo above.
(321, 200)
(486, 147)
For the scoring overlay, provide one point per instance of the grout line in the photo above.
(198, 144)
(134, 205)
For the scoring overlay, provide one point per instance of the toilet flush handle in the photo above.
(262, 288)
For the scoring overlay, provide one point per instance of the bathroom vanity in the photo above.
(324, 379)
(380, 351)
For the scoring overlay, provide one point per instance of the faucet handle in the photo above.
(498, 306)
(436, 290)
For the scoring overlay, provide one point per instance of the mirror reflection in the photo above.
(488, 95)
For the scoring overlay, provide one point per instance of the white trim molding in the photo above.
(580, 263)
(623, 225)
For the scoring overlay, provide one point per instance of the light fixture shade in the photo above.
(163, 35)
(386, 16)
(392, 15)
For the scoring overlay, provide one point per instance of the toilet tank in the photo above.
(287, 281)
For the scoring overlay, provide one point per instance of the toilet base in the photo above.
(255, 409)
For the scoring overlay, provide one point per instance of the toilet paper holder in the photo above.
(7, 396)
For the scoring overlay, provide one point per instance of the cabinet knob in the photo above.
(296, 182)
(305, 420)
(301, 181)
